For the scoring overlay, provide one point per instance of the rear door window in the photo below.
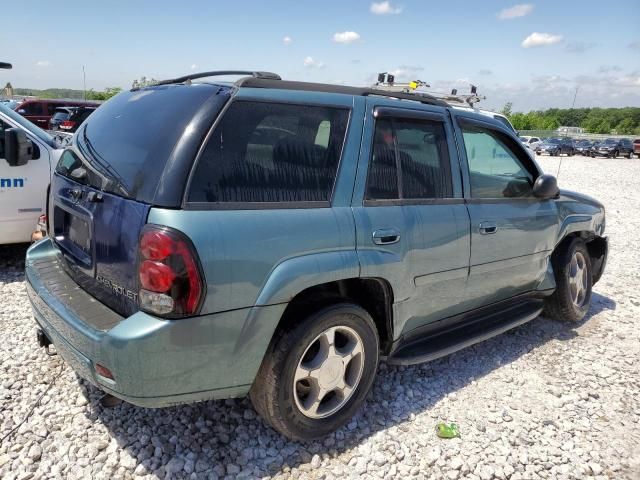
(410, 161)
(271, 153)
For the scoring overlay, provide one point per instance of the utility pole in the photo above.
(84, 82)
(574, 97)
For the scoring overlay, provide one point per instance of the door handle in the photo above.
(488, 228)
(386, 236)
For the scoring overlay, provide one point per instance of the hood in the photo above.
(580, 197)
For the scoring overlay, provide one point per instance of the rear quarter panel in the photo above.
(266, 256)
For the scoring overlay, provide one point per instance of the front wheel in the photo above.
(630, 155)
(572, 270)
(316, 375)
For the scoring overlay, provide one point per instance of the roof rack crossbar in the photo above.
(218, 73)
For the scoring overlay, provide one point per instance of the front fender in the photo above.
(296, 274)
(579, 213)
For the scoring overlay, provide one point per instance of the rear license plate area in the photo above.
(72, 232)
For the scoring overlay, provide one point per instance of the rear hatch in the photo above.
(106, 182)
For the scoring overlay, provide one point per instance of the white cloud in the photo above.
(346, 37)
(540, 39)
(194, 66)
(43, 63)
(287, 40)
(516, 11)
(384, 8)
(311, 63)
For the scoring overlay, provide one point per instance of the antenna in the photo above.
(574, 97)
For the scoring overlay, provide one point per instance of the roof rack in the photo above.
(256, 82)
(218, 73)
(386, 82)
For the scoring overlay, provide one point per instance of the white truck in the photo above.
(28, 156)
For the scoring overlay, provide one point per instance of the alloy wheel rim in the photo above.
(578, 279)
(328, 372)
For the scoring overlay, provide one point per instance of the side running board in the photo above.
(441, 344)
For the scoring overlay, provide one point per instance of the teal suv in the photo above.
(278, 239)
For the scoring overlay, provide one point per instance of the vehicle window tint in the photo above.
(30, 108)
(424, 159)
(270, 152)
(51, 108)
(130, 138)
(419, 148)
(495, 170)
(382, 179)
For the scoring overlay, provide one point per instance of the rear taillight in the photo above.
(67, 125)
(171, 283)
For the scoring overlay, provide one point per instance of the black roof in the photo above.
(259, 79)
(254, 82)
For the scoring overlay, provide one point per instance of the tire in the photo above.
(566, 303)
(615, 154)
(630, 155)
(280, 399)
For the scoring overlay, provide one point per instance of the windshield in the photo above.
(609, 141)
(554, 141)
(27, 125)
(504, 121)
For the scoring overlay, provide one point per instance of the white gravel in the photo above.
(546, 400)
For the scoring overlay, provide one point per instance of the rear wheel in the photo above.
(572, 270)
(630, 155)
(316, 375)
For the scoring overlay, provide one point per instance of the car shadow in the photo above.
(226, 436)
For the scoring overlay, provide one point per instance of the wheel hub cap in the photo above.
(578, 280)
(328, 372)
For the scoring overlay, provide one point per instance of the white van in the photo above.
(28, 156)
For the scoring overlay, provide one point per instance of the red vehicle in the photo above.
(636, 147)
(40, 111)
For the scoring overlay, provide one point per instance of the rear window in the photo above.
(130, 138)
(60, 115)
(271, 153)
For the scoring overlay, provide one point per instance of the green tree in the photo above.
(106, 95)
(506, 110)
(625, 127)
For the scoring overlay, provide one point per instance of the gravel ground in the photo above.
(546, 400)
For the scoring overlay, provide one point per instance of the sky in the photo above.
(534, 54)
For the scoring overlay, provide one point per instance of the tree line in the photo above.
(620, 121)
(68, 93)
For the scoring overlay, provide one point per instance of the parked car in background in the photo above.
(28, 156)
(636, 147)
(276, 238)
(60, 115)
(555, 147)
(78, 116)
(530, 142)
(583, 147)
(40, 111)
(613, 147)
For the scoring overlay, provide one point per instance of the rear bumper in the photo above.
(155, 362)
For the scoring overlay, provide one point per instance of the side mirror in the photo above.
(545, 187)
(18, 149)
